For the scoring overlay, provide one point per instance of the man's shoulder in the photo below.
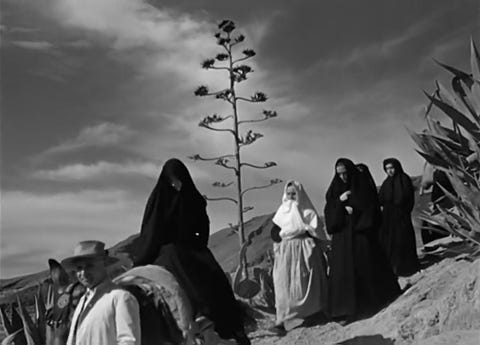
(115, 291)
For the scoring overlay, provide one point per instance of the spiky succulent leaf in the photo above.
(31, 332)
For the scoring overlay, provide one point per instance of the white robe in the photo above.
(300, 270)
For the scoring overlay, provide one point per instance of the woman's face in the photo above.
(176, 183)
(342, 172)
(291, 193)
(390, 169)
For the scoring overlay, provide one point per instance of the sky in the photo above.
(97, 94)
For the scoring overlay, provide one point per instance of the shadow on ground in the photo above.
(368, 340)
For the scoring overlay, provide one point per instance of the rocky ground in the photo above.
(440, 305)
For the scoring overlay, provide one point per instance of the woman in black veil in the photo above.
(174, 235)
(361, 280)
(397, 236)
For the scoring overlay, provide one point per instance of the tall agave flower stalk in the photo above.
(455, 149)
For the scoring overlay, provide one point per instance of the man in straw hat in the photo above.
(106, 314)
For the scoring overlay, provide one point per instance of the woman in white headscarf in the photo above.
(300, 270)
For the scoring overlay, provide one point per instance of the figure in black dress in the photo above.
(397, 236)
(174, 235)
(361, 280)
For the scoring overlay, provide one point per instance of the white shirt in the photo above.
(110, 316)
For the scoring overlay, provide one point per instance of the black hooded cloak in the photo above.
(174, 235)
(397, 236)
(361, 281)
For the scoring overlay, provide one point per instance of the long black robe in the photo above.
(361, 280)
(174, 235)
(397, 236)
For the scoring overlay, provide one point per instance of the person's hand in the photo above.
(345, 195)
(349, 209)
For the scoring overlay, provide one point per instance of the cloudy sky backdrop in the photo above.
(97, 94)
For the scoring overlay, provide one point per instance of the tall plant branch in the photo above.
(264, 166)
(237, 73)
(197, 157)
(218, 129)
(220, 199)
(272, 182)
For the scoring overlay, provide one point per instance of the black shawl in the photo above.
(363, 199)
(397, 189)
(361, 280)
(172, 216)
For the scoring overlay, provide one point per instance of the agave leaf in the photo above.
(29, 329)
(456, 116)
(453, 146)
(16, 338)
(473, 96)
(40, 314)
(13, 323)
(451, 134)
(7, 325)
(474, 60)
(441, 229)
(464, 208)
(17, 321)
(464, 192)
(450, 99)
(420, 140)
(445, 227)
(449, 154)
(466, 97)
(473, 146)
(460, 220)
(457, 73)
(433, 160)
(469, 217)
(436, 128)
(441, 151)
(444, 133)
(431, 219)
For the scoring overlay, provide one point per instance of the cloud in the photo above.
(384, 49)
(79, 44)
(170, 39)
(105, 134)
(82, 172)
(34, 45)
(40, 226)
(22, 30)
(156, 42)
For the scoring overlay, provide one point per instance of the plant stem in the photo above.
(238, 172)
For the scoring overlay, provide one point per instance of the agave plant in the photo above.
(455, 149)
(21, 328)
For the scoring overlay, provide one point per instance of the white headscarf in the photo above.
(296, 217)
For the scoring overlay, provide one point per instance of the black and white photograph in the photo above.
(267, 172)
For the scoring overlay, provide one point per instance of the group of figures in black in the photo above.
(374, 243)
(370, 239)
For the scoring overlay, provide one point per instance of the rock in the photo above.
(442, 306)
(453, 337)
(447, 298)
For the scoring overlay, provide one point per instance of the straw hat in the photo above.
(86, 250)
